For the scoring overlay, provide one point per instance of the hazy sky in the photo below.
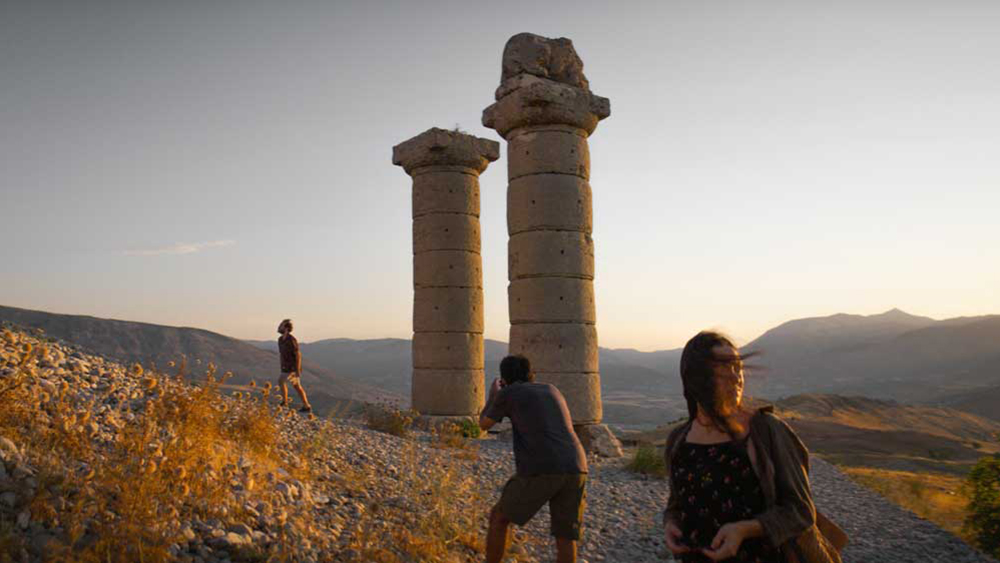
(227, 164)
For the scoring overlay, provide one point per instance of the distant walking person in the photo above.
(291, 365)
(739, 480)
(551, 465)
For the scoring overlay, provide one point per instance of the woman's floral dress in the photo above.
(717, 485)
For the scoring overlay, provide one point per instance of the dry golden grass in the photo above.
(454, 436)
(187, 449)
(443, 513)
(935, 497)
(123, 500)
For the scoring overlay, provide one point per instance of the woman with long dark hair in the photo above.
(739, 485)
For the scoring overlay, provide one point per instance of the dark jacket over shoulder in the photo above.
(781, 462)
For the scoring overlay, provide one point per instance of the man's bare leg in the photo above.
(302, 393)
(498, 536)
(283, 386)
(565, 550)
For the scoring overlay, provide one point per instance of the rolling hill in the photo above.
(150, 344)
(863, 432)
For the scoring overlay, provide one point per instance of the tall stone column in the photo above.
(447, 269)
(546, 111)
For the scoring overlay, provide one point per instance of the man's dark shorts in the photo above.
(524, 496)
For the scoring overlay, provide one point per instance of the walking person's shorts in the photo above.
(524, 496)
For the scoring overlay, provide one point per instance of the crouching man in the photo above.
(550, 461)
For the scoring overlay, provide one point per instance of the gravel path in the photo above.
(623, 514)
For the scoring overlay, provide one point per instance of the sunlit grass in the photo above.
(121, 473)
(932, 496)
(173, 454)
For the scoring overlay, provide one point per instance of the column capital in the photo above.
(441, 147)
(527, 100)
(542, 83)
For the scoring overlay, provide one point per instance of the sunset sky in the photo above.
(224, 165)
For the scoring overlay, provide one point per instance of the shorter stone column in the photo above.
(447, 269)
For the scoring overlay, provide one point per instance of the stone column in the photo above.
(447, 269)
(546, 111)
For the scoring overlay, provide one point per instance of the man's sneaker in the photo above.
(306, 408)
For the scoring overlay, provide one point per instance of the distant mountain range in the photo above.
(893, 355)
(151, 344)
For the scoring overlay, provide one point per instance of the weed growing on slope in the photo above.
(648, 461)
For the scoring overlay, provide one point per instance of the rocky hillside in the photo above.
(102, 461)
(151, 344)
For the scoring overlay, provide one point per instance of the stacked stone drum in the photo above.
(545, 111)
(447, 269)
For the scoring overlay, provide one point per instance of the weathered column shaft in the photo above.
(447, 269)
(545, 111)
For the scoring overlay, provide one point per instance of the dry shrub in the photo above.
(457, 436)
(390, 419)
(446, 509)
(178, 454)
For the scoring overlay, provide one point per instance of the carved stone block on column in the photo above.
(445, 192)
(452, 268)
(550, 253)
(549, 201)
(448, 350)
(448, 309)
(547, 150)
(551, 300)
(447, 392)
(446, 231)
(555, 347)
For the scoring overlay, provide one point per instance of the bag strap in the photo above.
(831, 531)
